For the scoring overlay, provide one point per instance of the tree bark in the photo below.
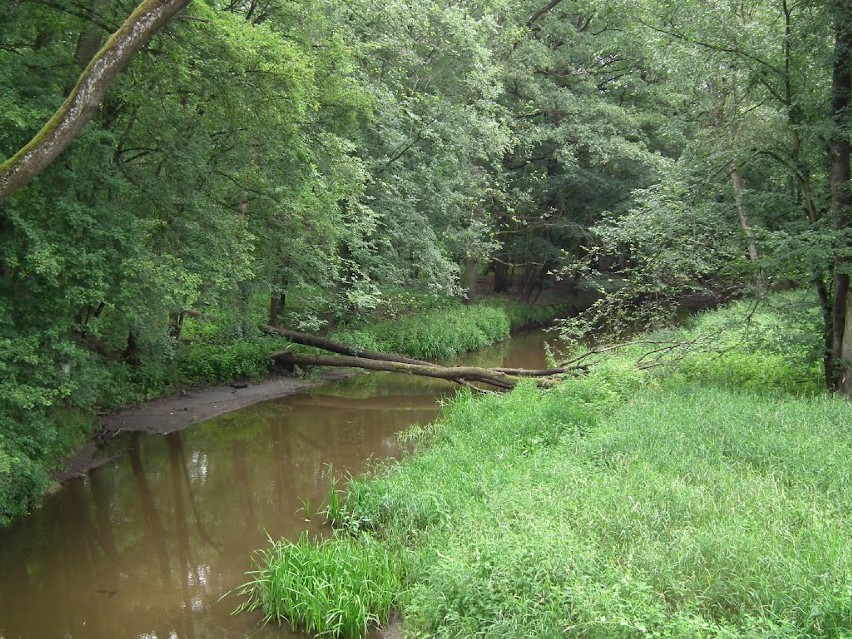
(840, 151)
(738, 185)
(541, 11)
(90, 39)
(471, 269)
(459, 374)
(78, 108)
(501, 277)
(277, 301)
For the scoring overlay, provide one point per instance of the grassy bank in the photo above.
(712, 501)
(215, 349)
(449, 328)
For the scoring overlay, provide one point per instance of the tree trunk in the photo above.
(458, 374)
(132, 353)
(176, 324)
(91, 37)
(839, 152)
(276, 305)
(471, 270)
(845, 382)
(81, 104)
(277, 301)
(739, 189)
(501, 277)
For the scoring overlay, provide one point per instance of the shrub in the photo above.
(202, 362)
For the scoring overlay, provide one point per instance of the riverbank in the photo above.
(206, 368)
(709, 499)
(180, 410)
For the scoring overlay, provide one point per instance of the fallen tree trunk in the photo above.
(341, 349)
(540, 372)
(458, 374)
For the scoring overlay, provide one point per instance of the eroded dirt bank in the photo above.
(177, 411)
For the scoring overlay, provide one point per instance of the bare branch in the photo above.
(540, 12)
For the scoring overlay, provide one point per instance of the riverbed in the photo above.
(148, 544)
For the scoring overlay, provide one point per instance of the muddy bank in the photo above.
(177, 411)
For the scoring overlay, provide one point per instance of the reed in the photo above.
(339, 587)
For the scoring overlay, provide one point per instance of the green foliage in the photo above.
(21, 478)
(248, 358)
(523, 314)
(28, 455)
(768, 346)
(338, 587)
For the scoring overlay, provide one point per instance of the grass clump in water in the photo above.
(339, 587)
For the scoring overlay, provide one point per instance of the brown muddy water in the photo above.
(147, 545)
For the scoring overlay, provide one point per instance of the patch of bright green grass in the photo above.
(338, 587)
(436, 334)
(675, 512)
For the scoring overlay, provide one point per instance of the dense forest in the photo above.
(190, 187)
(291, 162)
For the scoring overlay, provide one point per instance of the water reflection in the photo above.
(146, 545)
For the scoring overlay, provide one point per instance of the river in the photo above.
(146, 545)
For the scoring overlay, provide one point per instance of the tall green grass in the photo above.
(707, 500)
(676, 512)
(437, 334)
(339, 587)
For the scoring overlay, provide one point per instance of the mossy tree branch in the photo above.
(80, 105)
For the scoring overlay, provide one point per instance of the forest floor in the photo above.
(183, 409)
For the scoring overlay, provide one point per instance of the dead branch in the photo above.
(457, 374)
(341, 349)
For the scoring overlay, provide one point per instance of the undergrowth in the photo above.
(29, 454)
(438, 334)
